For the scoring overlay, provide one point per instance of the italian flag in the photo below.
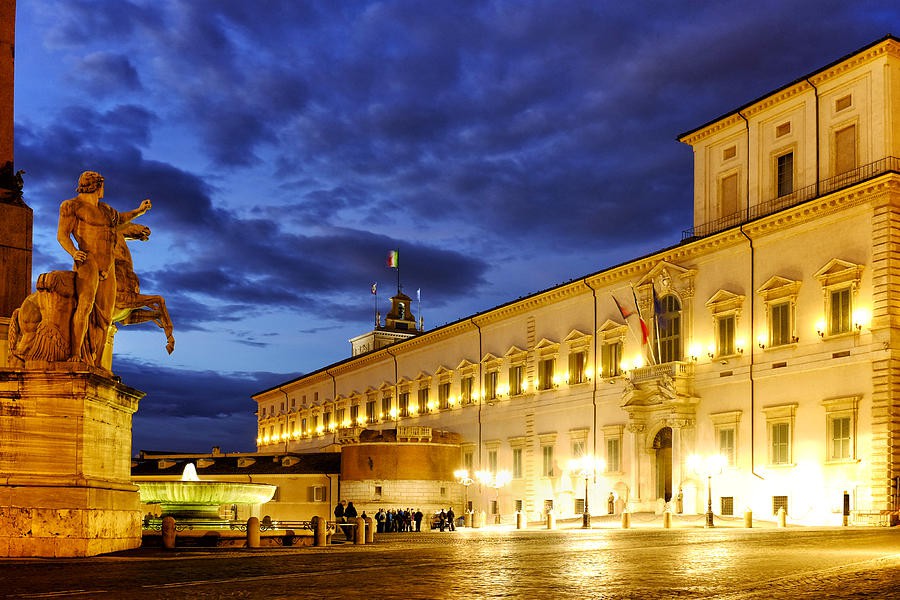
(393, 259)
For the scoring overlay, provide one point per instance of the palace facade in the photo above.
(768, 377)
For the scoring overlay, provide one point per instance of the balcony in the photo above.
(665, 382)
(417, 434)
(890, 164)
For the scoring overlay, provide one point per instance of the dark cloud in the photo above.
(288, 145)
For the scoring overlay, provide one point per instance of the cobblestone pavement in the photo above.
(722, 563)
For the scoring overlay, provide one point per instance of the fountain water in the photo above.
(193, 499)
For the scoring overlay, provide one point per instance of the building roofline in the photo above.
(886, 38)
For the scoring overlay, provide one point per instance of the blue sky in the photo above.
(503, 147)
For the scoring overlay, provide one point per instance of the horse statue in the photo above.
(133, 307)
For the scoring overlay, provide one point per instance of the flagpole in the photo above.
(375, 294)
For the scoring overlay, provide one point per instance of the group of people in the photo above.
(343, 512)
(395, 520)
(398, 520)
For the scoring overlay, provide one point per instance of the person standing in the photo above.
(350, 515)
(418, 518)
(450, 518)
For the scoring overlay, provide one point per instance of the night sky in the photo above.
(287, 146)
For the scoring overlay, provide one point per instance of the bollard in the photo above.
(748, 518)
(782, 517)
(667, 520)
(168, 533)
(320, 531)
(370, 531)
(626, 519)
(551, 520)
(845, 520)
(253, 532)
(467, 519)
(359, 536)
(520, 520)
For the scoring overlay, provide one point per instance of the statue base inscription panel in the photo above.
(65, 462)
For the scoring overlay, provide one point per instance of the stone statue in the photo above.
(93, 225)
(70, 317)
(11, 184)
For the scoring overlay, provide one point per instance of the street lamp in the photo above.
(462, 477)
(586, 467)
(495, 480)
(711, 465)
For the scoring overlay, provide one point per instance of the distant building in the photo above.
(772, 341)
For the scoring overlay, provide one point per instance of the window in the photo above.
(840, 281)
(303, 429)
(845, 150)
(725, 325)
(444, 395)
(492, 461)
(780, 324)
(613, 455)
(779, 502)
(516, 380)
(579, 448)
(726, 444)
(670, 329)
(840, 438)
(611, 358)
(490, 385)
(726, 506)
(545, 373)
(579, 505)
(354, 414)
(517, 471)
(577, 362)
(840, 427)
(469, 461)
(494, 507)
(339, 416)
(315, 424)
(404, 404)
(780, 424)
(371, 417)
(519, 504)
(784, 174)
(839, 313)
(612, 435)
(781, 443)
(465, 389)
(728, 195)
(386, 408)
(326, 420)
(843, 102)
(423, 400)
(547, 456)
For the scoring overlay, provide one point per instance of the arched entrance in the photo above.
(662, 447)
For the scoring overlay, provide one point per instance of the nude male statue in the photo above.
(93, 225)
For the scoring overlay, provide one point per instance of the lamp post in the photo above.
(495, 480)
(587, 467)
(462, 477)
(711, 465)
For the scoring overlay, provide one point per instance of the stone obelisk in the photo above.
(65, 427)
(15, 217)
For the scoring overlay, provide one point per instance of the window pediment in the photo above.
(515, 354)
(576, 337)
(777, 288)
(491, 361)
(465, 365)
(724, 301)
(611, 330)
(838, 272)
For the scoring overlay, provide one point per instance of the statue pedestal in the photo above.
(65, 462)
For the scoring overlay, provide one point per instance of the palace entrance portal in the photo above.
(662, 447)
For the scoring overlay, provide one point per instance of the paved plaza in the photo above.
(724, 563)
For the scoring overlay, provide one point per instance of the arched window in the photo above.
(669, 322)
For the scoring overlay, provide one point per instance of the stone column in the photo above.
(638, 431)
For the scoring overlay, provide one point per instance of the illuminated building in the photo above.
(771, 337)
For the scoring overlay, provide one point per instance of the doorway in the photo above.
(662, 447)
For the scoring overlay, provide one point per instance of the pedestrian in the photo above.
(611, 504)
(450, 517)
(442, 519)
(339, 517)
(418, 517)
(350, 515)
